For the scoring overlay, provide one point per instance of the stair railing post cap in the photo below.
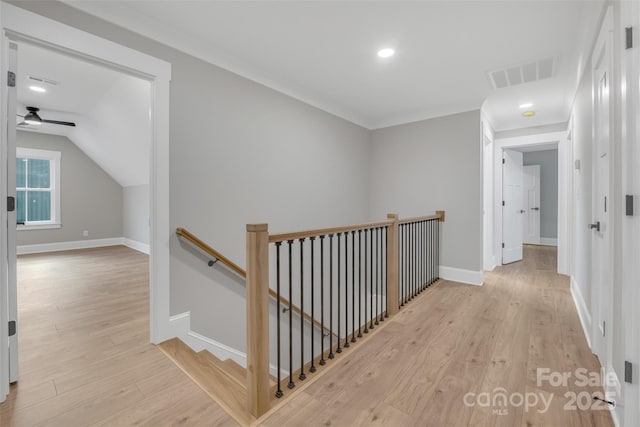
(257, 227)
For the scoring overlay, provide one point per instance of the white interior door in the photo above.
(602, 257)
(531, 204)
(11, 219)
(512, 206)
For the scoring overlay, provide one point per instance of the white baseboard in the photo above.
(181, 326)
(583, 310)
(67, 246)
(138, 246)
(548, 241)
(463, 276)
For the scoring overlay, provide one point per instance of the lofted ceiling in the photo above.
(324, 52)
(110, 109)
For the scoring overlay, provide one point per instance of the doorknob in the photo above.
(535, 209)
(596, 226)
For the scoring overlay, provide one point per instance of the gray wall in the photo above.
(240, 153)
(581, 140)
(135, 213)
(432, 165)
(89, 198)
(548, 161)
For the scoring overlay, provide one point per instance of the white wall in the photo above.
(431, 165)
(135, 214)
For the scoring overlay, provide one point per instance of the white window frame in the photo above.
(54, 173)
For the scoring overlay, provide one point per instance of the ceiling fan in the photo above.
(32, 118)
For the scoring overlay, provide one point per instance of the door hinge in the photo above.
(11, 79)
(604, 328)
(628, 372)
(628, 32)
(11, 204)
(503, 203)
(503, 245)
(504, 161)
(12, 328)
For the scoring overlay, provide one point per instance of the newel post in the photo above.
(392, 266)
(258, 318)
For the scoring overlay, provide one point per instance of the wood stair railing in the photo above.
(186, 234)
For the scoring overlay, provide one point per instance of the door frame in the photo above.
(27, 26)
(565, 189)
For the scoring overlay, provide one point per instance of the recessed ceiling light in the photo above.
(386, 52)
(529, 113)
(37, 89)
(526, 105)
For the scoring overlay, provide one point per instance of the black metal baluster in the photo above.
(302, 376)
(322, 333)
(331, 296)
(353, 286)
(360, 283)
(339, 350)
(413, 260)
(421, 241)
(380, 313)
(377, 275)
(346, 290)
(373, 274)
(278, 244)
(386, 273)
(291, 383)
(401, 265)
(366, 270)
(312, 368)
(437, 249)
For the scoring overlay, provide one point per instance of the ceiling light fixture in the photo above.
(529, 113)
(386, 52)
(37, 89)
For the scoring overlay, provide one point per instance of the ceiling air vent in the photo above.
(522, 73)
(42, 80)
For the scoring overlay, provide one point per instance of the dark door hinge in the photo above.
(628, 33)
(503, 203)
(12, 328)
(504, 161)
(11, 79)
(503, 245)
(11, 204)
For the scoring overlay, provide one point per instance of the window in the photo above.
(37, 188)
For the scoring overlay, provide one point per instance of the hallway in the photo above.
(459, 339)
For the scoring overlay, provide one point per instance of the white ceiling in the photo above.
(324, 52)
(110, 109)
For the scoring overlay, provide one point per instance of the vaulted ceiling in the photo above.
(324, 52)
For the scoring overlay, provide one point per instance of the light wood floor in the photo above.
(84, 353)
(457, 339)
(85, 358)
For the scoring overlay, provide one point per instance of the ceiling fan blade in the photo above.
(57, 122)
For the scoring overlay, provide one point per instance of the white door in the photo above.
(531, 204)
(602, 254)
(8, 285)
(512, 206)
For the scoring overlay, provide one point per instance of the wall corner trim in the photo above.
(468, 277)
(138, 246)
(583, 310)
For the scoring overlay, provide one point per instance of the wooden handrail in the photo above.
(418, 218)
(208, 249)
(214, 253)
(281, 237)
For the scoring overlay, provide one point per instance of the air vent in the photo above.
(523, 73)
(42, 80)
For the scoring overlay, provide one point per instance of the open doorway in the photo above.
(526, 208)
(24, 27)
